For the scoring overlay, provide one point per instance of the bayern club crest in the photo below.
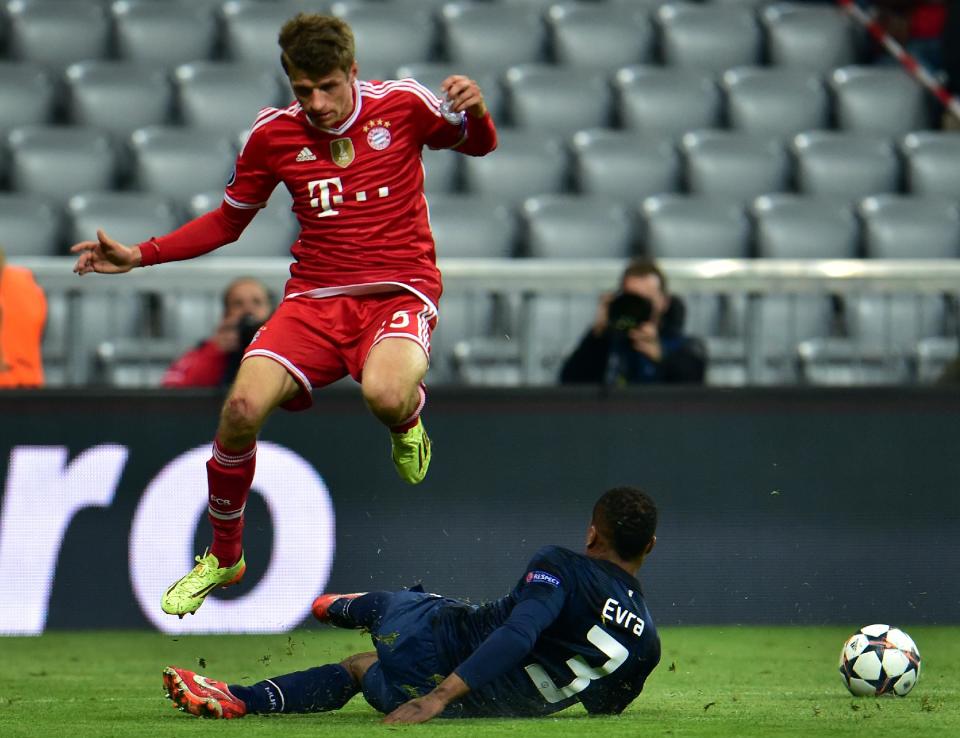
(378, 134)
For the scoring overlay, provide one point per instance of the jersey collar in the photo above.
(351, 119)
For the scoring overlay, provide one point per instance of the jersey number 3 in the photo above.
(582, 671)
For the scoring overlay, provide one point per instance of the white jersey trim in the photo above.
(243, 205)
(426, 96)
(367, 288)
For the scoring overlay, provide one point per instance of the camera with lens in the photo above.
(627, 311)
(247, 328)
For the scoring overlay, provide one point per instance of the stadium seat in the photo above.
(432, 74)
(56, 33)
(491, 36)
(600, 35)
(177, 162)
(656, 100)
(554, 325)
(467, 318)
(557, 100)
(678, 226)
(933, 355)
(271, 232)
(472, 227)
(893, 324)
(783, 322)
(576, 227)
(808, 36)
(789, 226)
(733, 164)
(117, 96)
(623, 165)
(223, 96)
(708, 36)
(932, 163)
(849, 165)
(32, 225)
(525, 163)
(841, 362)
(904, 227)
(165, 33)
(250, 29)
(128, 217)
(776, 101)
(878, 100)
(387, 36)
(441, 171)
(61, 161)
(26, 95)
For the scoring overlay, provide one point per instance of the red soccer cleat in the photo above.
(200, 696)
(321, 605)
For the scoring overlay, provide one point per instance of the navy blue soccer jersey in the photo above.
(573, 629)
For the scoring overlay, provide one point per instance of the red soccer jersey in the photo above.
(357, 189)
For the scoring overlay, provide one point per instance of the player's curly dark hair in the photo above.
(316, 44)
(627, 518)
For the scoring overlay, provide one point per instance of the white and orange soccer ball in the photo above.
(879, 659)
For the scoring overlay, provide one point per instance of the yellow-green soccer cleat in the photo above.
(411, 453)
(188, 593)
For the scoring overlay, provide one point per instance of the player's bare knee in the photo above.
(358, 664)
(388, 398)
(241, 418)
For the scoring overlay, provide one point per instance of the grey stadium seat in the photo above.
(851, 165)
(810, 36)
(932, 163)
(176, 162)
(893, 323)
(789, 226)
(129, 217)
(658, 100)
(525, 163)
(904, 227)
(877, 100)
(271, 232)
(61, 161)
(385, 35)
(576, 227)
(491, 36)
(26, 95)
(708, 36)
(441, 171)
(776, 101)
(472, 227)
(224, 96)
(676, 226)
(250, 29)
(165, 33)
(117, 96)
(432, 74)
(600, 36)
(623, 165)
(557, 100)
(32, 225)
(56, 33)
(733, 164)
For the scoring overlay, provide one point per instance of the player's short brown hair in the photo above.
(626, 517)
(316, 44)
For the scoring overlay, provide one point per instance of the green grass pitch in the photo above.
(712, 681)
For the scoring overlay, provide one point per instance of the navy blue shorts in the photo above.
(408, 666)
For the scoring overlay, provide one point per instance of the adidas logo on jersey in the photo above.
(306, 155)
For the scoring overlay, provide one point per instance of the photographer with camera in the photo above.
(637, 336)
(214, 363)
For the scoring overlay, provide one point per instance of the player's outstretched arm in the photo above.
(464, 94)
(430, 705)
(105, 256)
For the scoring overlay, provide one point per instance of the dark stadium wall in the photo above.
(777, 506)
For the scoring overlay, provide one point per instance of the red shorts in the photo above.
(321, 340)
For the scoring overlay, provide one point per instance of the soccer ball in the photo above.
(879, 659)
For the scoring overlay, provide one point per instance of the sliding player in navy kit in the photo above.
(575, 628)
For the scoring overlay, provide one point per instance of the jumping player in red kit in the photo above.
(364, 286)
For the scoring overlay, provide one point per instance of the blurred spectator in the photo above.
(637, 336)
(23, 314)
(917, 25)
(950, 41)
(214, 363)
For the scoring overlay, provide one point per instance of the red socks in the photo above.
(229, 476)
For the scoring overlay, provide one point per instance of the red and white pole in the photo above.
(907, 60)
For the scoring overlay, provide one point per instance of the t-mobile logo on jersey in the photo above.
(331, 193)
